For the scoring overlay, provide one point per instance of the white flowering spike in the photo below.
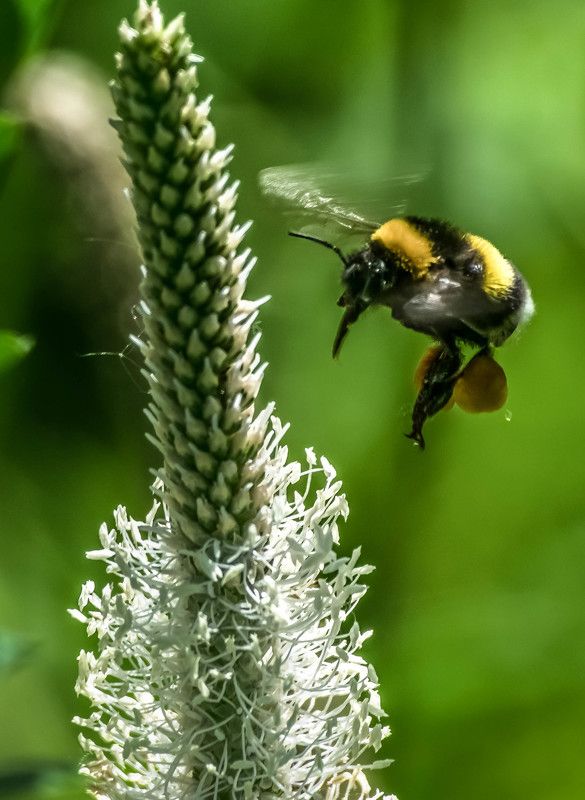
(226, 659)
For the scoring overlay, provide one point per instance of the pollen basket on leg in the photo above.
(499, 274)
(412, 247)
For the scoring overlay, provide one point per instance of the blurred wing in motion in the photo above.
(299, 187)
(326, 194)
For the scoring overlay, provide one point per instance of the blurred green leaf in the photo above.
(13, 347)
(9, 128)
(23, 26)
(34, 10)
(50, 780)
(12, 36)
(38, 15)
(62, 784)
(15, 651)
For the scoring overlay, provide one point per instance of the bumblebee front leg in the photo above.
(435, 392)
(350, 315)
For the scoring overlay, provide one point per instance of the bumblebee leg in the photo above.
(350, 315)
(436, 389)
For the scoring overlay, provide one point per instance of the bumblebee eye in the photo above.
(473, 269)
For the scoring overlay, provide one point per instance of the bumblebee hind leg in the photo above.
(436, 389)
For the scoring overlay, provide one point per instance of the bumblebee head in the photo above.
(363, 278)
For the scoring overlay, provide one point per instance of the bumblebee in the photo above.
(436, 279)
(453, 286)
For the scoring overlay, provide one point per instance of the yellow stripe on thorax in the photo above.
(499, 274)
(412, 247)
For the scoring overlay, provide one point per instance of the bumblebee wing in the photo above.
(442, 308)
(429, 305)
(301, 188)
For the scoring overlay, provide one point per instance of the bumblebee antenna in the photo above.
(330, 246)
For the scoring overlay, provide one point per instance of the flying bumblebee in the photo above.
(436, 279)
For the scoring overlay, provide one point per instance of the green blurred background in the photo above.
(478, 599)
